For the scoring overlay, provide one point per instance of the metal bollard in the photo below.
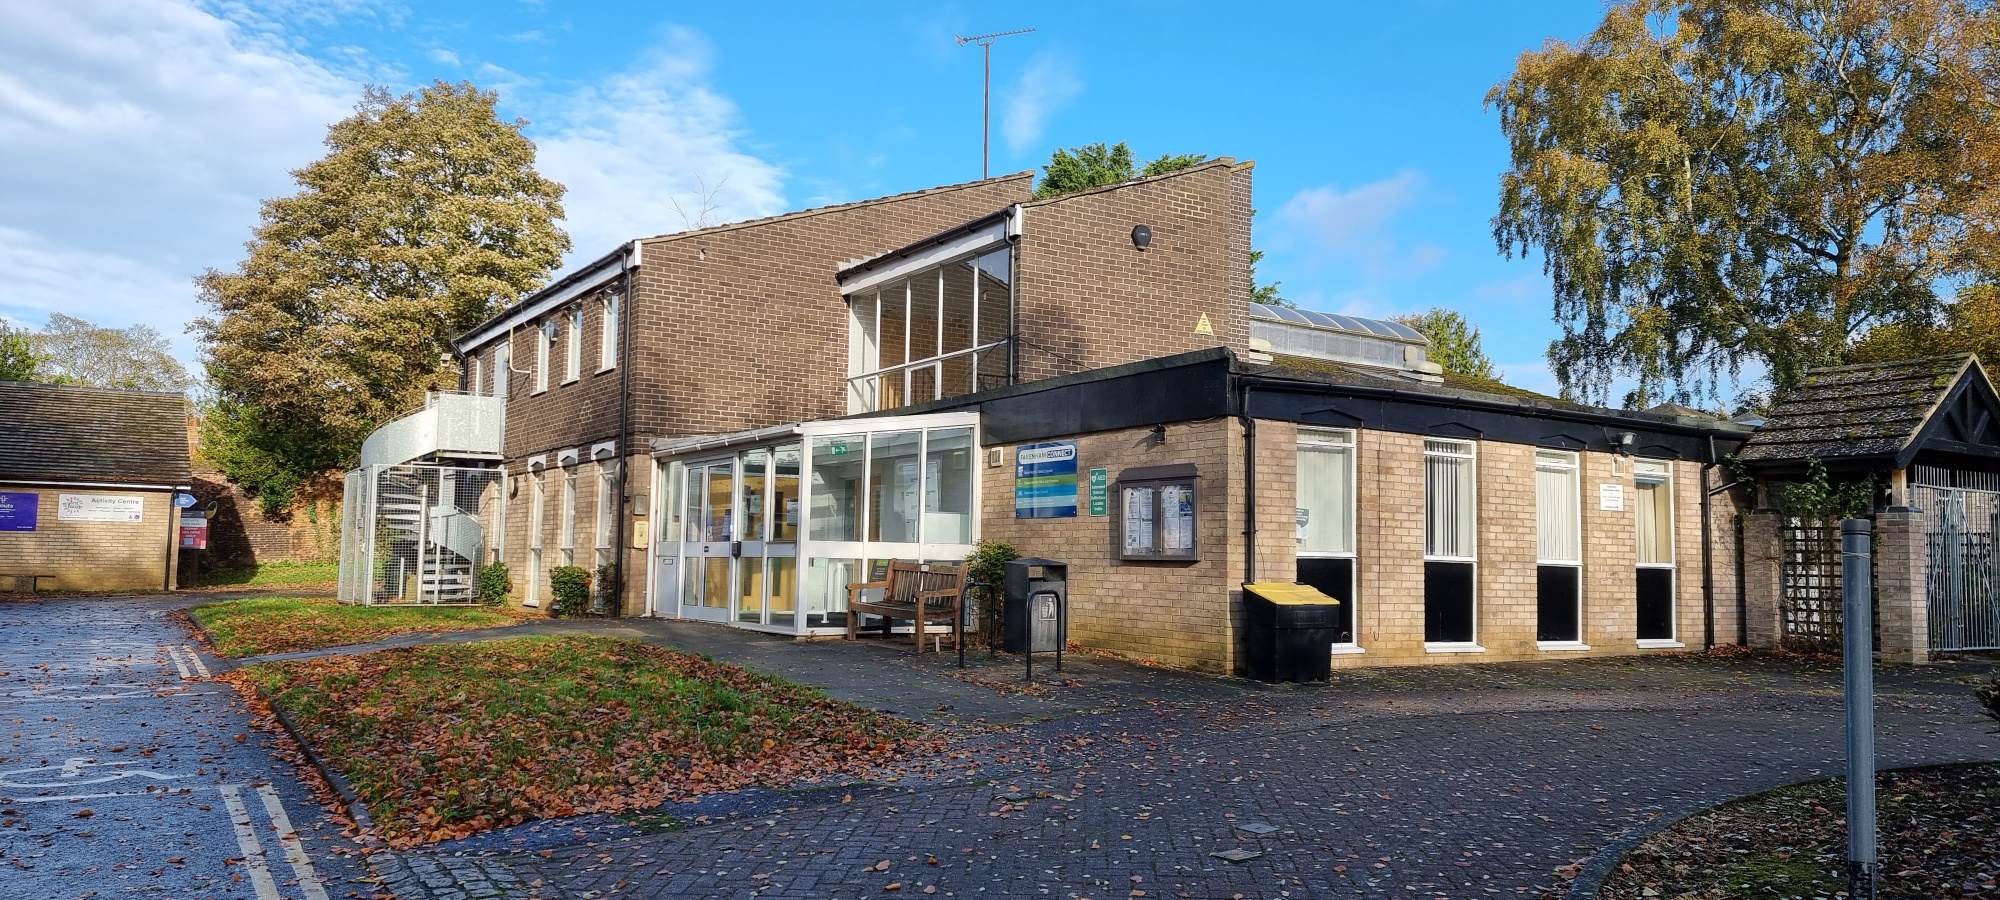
(1857, 615)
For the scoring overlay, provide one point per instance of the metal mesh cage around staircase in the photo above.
(416, 535)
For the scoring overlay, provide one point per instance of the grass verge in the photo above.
(270, 573)
(1939, 836)
(443, 741)
(258, 625)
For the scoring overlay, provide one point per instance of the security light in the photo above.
(1141, 236)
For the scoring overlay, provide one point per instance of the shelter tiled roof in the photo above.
(58, 432)
(1857, 411)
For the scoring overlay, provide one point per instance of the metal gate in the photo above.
(1961, 519)
(1811, 602)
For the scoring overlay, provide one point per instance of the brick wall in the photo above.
(92, 556)
(1178, 613)
(732, 328)
(239, 534)
(1087, 298)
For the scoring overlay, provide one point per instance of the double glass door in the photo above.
(739, 549)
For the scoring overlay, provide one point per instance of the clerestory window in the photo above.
(939, 332)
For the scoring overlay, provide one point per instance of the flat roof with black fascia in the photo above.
(1213, 382)
(983, 233)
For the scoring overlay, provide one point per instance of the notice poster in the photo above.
(1176, 519)
(100, 508)
(1045, 480)
(1138, 506)
(1611, 497)
(18, 510)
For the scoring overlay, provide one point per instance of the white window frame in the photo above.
(545, 335)
(865, 370)
(537, 524)
(607, 342)
(1552, 460)
(1471, 453)
(567, 543)
(1347, 439)
(573, 350)
(1661, 472)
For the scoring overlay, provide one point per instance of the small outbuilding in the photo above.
(1912, 444)
(88, 481)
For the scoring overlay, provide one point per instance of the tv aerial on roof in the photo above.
(986, 114)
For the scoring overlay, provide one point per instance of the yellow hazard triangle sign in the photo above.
(1202, 327)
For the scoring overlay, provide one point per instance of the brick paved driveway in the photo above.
(1460, 782)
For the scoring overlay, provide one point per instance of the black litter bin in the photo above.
(1291, 630)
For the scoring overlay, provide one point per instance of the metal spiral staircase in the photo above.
(417, 510)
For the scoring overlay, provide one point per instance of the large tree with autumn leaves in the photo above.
(1715, 184)
(425, 217)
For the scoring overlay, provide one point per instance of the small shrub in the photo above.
(494, 584)
(607, 586)
(988, 564)
(571, 587)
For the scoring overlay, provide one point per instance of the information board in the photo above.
(18, 510)
(101, 508)
(1045, 480)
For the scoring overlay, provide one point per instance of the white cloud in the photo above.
(1048, 85)
(136, 140)
(646, 139)
(442, 56)
(1347, 223)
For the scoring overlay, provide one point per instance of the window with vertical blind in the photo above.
(1448, 499)
(1653, 529)
(503, 360)
(1325, 517)
(1558, 548)
(545, 337)
(1450, 492)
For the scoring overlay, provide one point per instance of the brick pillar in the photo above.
(1901, 598)
(1763, 578)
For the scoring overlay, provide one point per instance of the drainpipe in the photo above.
(1708, 559)
(1707, 556)
(1249, 485)
(619, 544)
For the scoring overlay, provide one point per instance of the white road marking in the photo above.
(246, 840)
(295, 852)
(70, 774)
(159, 793)
(195, 659)
(178, 665)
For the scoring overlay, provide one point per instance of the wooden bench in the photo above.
(924, 593)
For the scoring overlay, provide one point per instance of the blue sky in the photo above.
(137, 136)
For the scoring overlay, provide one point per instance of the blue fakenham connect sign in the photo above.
(1045, 480)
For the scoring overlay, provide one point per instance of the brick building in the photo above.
(87, 484)
(740, 421)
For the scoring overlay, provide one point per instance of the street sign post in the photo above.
(1858, 590)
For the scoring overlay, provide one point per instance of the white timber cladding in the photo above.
(971, 243)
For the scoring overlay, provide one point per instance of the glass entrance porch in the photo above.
(765, 529)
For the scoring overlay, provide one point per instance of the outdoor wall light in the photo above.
(1625, 441)
(1141, 236)
(1159, 433)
